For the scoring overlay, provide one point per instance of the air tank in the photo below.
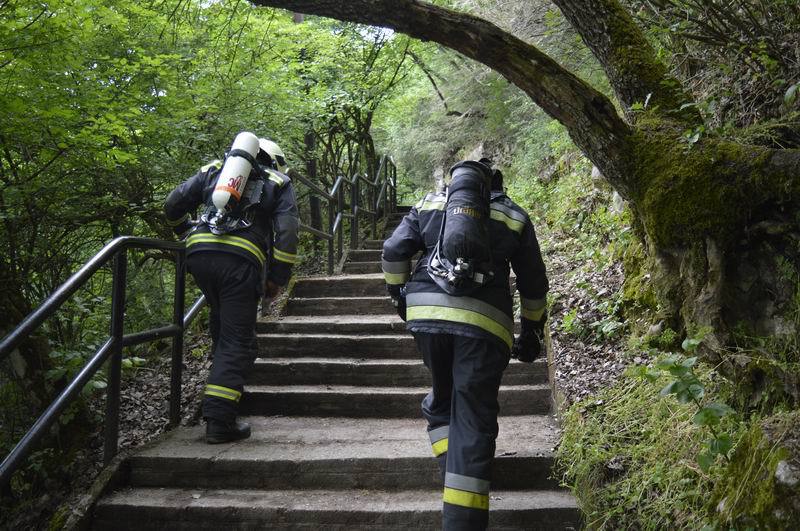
(233, 177)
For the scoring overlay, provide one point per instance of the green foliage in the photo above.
(106, 105)
(748, 495)
(685, 384)
(630, 459)
(740, 63)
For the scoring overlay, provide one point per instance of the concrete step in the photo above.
(364, 255)
(372, 372)
(372, 244)
(337, 346)
(337, 453)
(336, 305)
(203, 509)
(334, 324)
(341, 286)
(337, 324)
(373, 402)
(358, 268)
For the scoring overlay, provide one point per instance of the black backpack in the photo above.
(461, 262)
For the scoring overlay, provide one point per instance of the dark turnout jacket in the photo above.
(270, 241)
(486, 312)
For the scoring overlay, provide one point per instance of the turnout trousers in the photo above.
(232, 286)
(461, 410)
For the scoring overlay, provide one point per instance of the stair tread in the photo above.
(375, 390)
(341, 318)
(329, 298)
(330, 500)
(340, 361)
(336, 278)
(349, 337)
(280, 438)
(370, 361)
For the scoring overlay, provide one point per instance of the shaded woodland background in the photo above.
(107, 105)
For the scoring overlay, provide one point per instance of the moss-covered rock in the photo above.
(760, 488)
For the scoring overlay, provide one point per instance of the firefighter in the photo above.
(466, 341)
(229, 269)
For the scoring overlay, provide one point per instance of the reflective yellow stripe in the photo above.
(223, 392)
(512, 224)
(176, 222)
(277, 179)
(533, 315)
(213, 164)
(440, 447)
(459, 315)
(227, 239)
(284, 257)
(466, 499)
(432, 205)
(395, 278)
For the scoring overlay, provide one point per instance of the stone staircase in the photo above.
(338, 438)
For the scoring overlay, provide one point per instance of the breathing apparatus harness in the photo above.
(461, 262)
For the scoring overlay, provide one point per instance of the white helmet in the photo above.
(275, 153)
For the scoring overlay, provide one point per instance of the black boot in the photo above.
(221, 432)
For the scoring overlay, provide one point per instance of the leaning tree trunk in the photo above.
(718, 218)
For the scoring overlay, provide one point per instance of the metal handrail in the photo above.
(370, 202)
(115, 250)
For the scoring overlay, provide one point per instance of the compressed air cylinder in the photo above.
(233, 177)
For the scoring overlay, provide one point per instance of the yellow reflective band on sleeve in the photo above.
(440, 447)
(458, 315)
(223, 392)
(282, 256)
(176, 222)
(277, 179)
(432, 205)
(533, 315)
(466, 499)
(395, 279)
(512, 224)
(213, 164)
(227, 239)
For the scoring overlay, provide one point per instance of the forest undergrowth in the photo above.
(652, 439)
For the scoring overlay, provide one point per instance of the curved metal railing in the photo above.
(116, 251)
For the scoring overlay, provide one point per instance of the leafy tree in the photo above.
(106, 105)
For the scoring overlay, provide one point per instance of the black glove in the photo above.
(398, 295)
(528, 345)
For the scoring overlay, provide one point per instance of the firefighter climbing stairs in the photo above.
(338, 438)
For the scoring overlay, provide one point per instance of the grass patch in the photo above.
(630, 458)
